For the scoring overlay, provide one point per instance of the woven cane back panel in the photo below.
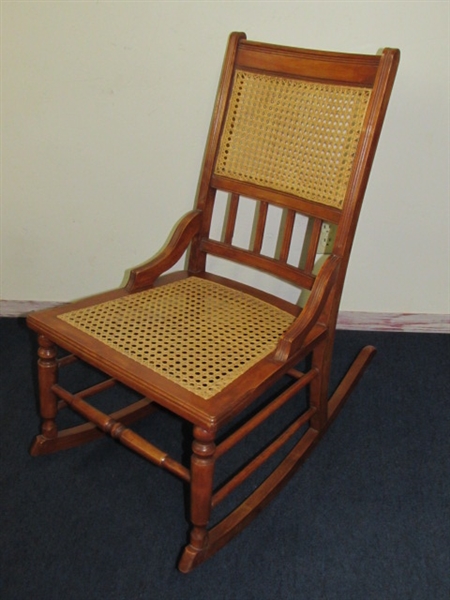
(199, 334)
(292, 136)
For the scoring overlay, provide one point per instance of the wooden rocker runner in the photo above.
(293, 135)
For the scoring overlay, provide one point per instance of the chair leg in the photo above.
(328, 406)
(318, 388)
(48, 375)
(202, 472)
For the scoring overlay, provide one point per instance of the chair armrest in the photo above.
(295, 335)
(144, 276)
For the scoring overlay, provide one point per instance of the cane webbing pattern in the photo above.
(197, 333)
(293, 136)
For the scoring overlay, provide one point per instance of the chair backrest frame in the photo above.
(307, 68)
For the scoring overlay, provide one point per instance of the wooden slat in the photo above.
(271, 265)
(288, 227)
(97, 388)
(260, 227)
(231, 218)
(312, 248)
(261, 458)
(64, 361)
(90, 391)
(264, 413)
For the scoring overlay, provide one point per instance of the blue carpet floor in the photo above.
(367, 516)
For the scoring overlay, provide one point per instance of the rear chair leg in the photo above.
(202, 472)
(327, 406)
(318, 388)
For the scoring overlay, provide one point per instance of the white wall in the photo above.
(105, 112)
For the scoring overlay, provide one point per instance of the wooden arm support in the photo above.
(293, 338)
(143, 277)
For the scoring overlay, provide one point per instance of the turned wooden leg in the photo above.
(202, 472)
(48, 373)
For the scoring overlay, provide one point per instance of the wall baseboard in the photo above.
(21, 308)
(412, 322)
(369, 321)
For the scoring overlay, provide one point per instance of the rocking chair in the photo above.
(292, 139)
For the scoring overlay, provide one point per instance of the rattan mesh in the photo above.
(293, 136)
(197, 333)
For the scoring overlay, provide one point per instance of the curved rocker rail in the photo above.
(240, 517)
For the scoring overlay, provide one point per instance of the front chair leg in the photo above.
(48, 375)
(202, 473)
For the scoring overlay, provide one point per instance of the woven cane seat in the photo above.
(197, 333)
(293, 136)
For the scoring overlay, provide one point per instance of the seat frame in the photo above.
(311, 335)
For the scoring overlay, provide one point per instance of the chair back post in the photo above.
(206, 193)
(376, 111)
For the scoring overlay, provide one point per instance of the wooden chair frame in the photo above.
(310, 333)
